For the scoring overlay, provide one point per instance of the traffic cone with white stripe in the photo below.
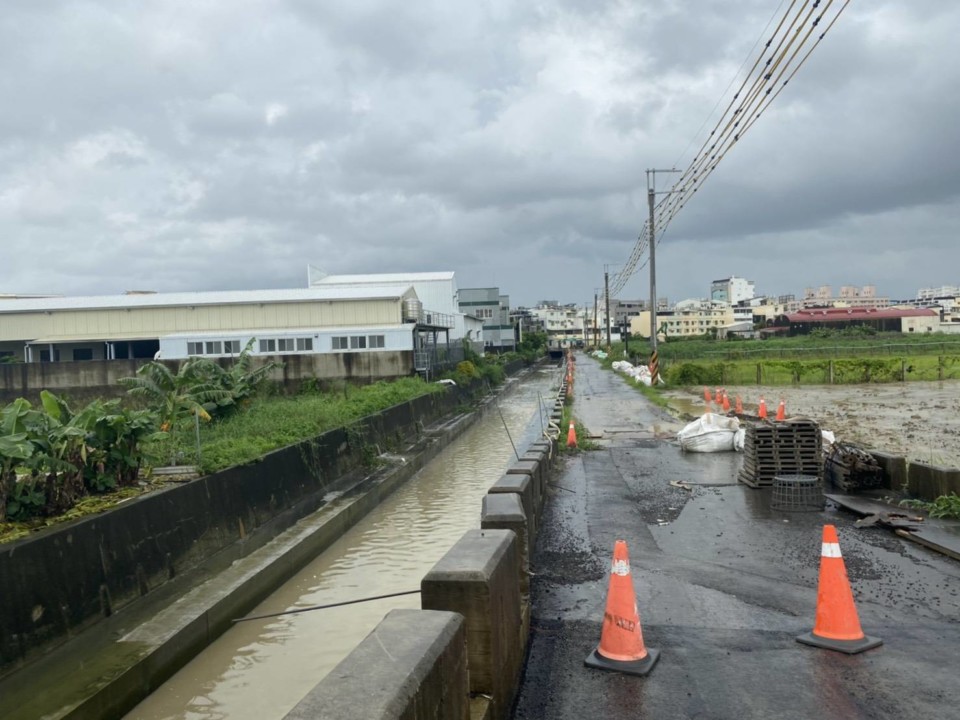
(781, 411)
(726, 402)
(762, 410)
(572, 436)
(837, 626)
(621, 645)
(739, 406)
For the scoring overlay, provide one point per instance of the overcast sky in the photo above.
(227, 144)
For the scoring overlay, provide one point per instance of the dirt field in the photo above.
(920, 420)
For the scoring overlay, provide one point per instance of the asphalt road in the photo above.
(724, 585)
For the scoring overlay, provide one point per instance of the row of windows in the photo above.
(286, 345)
(357, 342)
(214, 347)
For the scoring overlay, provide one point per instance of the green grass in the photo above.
(275, 422)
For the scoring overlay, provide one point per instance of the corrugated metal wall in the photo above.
(155, 322)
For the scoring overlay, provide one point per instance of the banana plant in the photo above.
(15, 447)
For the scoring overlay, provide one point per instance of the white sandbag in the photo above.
(739, 438)
(709, 433)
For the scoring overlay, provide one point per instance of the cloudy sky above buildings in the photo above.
(215, 144)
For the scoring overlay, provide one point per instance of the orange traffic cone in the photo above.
(837, 626)
(738, 408)
(572, 436)
(726, 402)
(762, 410)
(621, 645)
(716, 396)
(706, 395)
(781, 411)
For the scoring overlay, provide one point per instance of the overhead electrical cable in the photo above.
(759, 88)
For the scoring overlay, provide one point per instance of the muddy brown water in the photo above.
(261, 669)
(920, 420)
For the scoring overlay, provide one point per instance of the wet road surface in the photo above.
(724, 585)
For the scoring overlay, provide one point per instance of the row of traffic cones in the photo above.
(836, 627)
(723, 401)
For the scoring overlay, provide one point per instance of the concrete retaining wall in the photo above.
(921, 480)
(58, 582)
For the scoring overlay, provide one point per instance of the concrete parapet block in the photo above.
(928, 482)
(551, 446)
(894, 469)
(504, 511)
(526, 489)
(413, 666)
(478, 579)
(535, 471)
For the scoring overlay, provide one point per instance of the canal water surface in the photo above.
(261, 669)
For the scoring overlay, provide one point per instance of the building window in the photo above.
(286, 345)
(376, 341)
(305, 344)
(339, 342)
(231, 347)
(214, 347)
(484, 313)
(194, 348)
(358, 342)
(268, 346)
(82, 354)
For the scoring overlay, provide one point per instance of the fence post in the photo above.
(903, 370)
(940, 367)
(830, 370)
(759, 374)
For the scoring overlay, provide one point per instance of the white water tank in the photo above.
(412, 308)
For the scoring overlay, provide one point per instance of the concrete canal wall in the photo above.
(61, 581)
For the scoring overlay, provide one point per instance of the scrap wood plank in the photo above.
(936, 534)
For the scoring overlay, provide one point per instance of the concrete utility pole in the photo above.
(651, 196)
(596, 339)
(606, 295)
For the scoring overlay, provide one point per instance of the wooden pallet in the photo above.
(786, 448)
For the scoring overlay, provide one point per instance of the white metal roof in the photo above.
(228, 297)
(382, 278)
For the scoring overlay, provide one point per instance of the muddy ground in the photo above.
(920, 420)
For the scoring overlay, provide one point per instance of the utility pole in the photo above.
(606, 296)
(651, 197)
(596, 340)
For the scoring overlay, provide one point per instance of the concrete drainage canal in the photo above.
(261, 669)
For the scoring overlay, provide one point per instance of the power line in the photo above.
(743, 110)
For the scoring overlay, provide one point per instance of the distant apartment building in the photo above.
(848, 297)
(732, 290)
(765, 310)
(944, 291)
(488, 305)
(687, 318)
(564, 324)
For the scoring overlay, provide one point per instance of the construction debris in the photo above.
(849, 467)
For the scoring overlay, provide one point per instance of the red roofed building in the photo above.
(911, 320)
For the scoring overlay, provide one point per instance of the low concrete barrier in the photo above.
(894, 469)
(478, 579)
(504, 511)
(413, 666)
(921, 480)
(529, 496)
(931, 481)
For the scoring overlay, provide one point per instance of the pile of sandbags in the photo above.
(711, 433)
